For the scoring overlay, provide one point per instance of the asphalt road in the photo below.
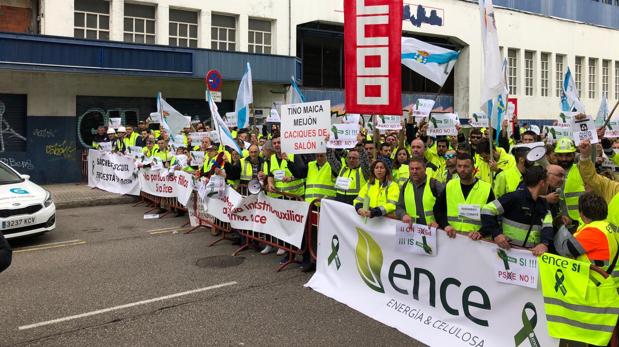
(107, 277)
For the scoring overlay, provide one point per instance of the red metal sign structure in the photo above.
(213, 80)
(372, 51)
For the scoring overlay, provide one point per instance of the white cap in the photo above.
(122, 130)
(111, 131)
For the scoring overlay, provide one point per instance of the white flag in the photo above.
(569, 95)
(225, 137)
(296, 96)
(244, 97)
(602, 112)
(172, 120)
(432, 62)
(493, 83)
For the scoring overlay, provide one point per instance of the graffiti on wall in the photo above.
(89, 121)
(6, 131)
(418, 14)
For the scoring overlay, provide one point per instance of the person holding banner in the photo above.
(526, 220)
(418, 195)
(248, 168)
(286, 172)
(458, 208)
(379, 196)
(100, 136)
(151, 148)
(163, 152)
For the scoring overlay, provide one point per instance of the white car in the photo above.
(25, 208)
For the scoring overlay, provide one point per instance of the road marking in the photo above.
(162, 229)
(49, 246)
(168, 230)
(161, 232)
(115, 308)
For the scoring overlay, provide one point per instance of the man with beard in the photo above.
(573, 187)
(526, 221)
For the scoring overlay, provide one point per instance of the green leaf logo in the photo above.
(369, 261)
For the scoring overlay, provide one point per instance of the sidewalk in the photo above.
(72, 195)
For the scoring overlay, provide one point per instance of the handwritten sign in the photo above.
(612, 129)
(442, 124)
(343, 136)
(273, 116)
(422, 109)
(304, 127)
(517, 267)
(479, 120)
(583, 129)
(231, 120)
(558, 131)
(389, 122)
(416, 238)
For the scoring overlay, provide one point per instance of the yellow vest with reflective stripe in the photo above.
(319, 183)
(613, 211)
(477, 196)
(401, 175)
(612, 235)
(384, 196)
(428, 201)
(356, 181)
(573, 189)
(507, 181)
(296, 187)
(246, 170)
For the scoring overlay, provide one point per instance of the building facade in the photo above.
(69, 65)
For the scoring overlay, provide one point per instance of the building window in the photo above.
(544, 59)
(91, 19)
(559, 74)
(578, 74)
(528, 72)
(183, 28)
(139, 23)
(605, 77)
(512, 73)
(593, 65)
(259, 36)
(223, 33)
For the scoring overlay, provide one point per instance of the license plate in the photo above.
(16, 223)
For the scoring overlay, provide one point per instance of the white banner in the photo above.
(343, 135)
(452, 299)
(282, 219)
(184, 185)
(389, 122)
(112, 172)
(443, 124)
(305, 126)
(159, 183)
(422, 109)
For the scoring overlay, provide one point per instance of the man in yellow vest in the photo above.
(508, 180)
(351, 173)
(247, 169)
(320, 179)
(458, 208)
(574, 187)
(286, 172)
(131, 136)
(488, 167)
(526, 221)
(418, 195)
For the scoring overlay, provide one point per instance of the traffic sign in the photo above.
(216, 95)
(213, 80)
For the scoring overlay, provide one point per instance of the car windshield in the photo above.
(8, 176)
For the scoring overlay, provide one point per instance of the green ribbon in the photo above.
(528, 328)
(503, 256)
(426, 246)
(559, 279)
(335, 247)
(334, 129)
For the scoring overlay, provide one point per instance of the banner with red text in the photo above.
(304, 127)
(177, 184)
(450, 299)
(372, 53)
(282, 219)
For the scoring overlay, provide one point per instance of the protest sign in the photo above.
(231, 120)
(184, 182)
(343, 136)
(416, 239)
(115, 123)
(197, 158)
(282, 219)
(105, 146)
(112, 172)
(516, 266)
(442, 124)
(422, 109)
(304, 127)
(195, 138)
(273, 116)
(352, 118)
(583, 128)
(558, 131)
(612, 129)
(389, 122)
(479, 120)
(158, 182)
(446, 300)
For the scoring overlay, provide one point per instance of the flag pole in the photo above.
(610, 115)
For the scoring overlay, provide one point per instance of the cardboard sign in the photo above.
(479, 120)
(389, 122)
(343, 136)
(415, 238)
(231, 120)
(517, 267)
(422, 109)
(442, 124)
(584, 129)
(304, 127)
(612, 129)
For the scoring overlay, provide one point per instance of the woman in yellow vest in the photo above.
(379, 196)
(400, 166)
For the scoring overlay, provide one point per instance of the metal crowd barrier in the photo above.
(84, 165)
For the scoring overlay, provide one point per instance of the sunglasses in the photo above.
(450, 155)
